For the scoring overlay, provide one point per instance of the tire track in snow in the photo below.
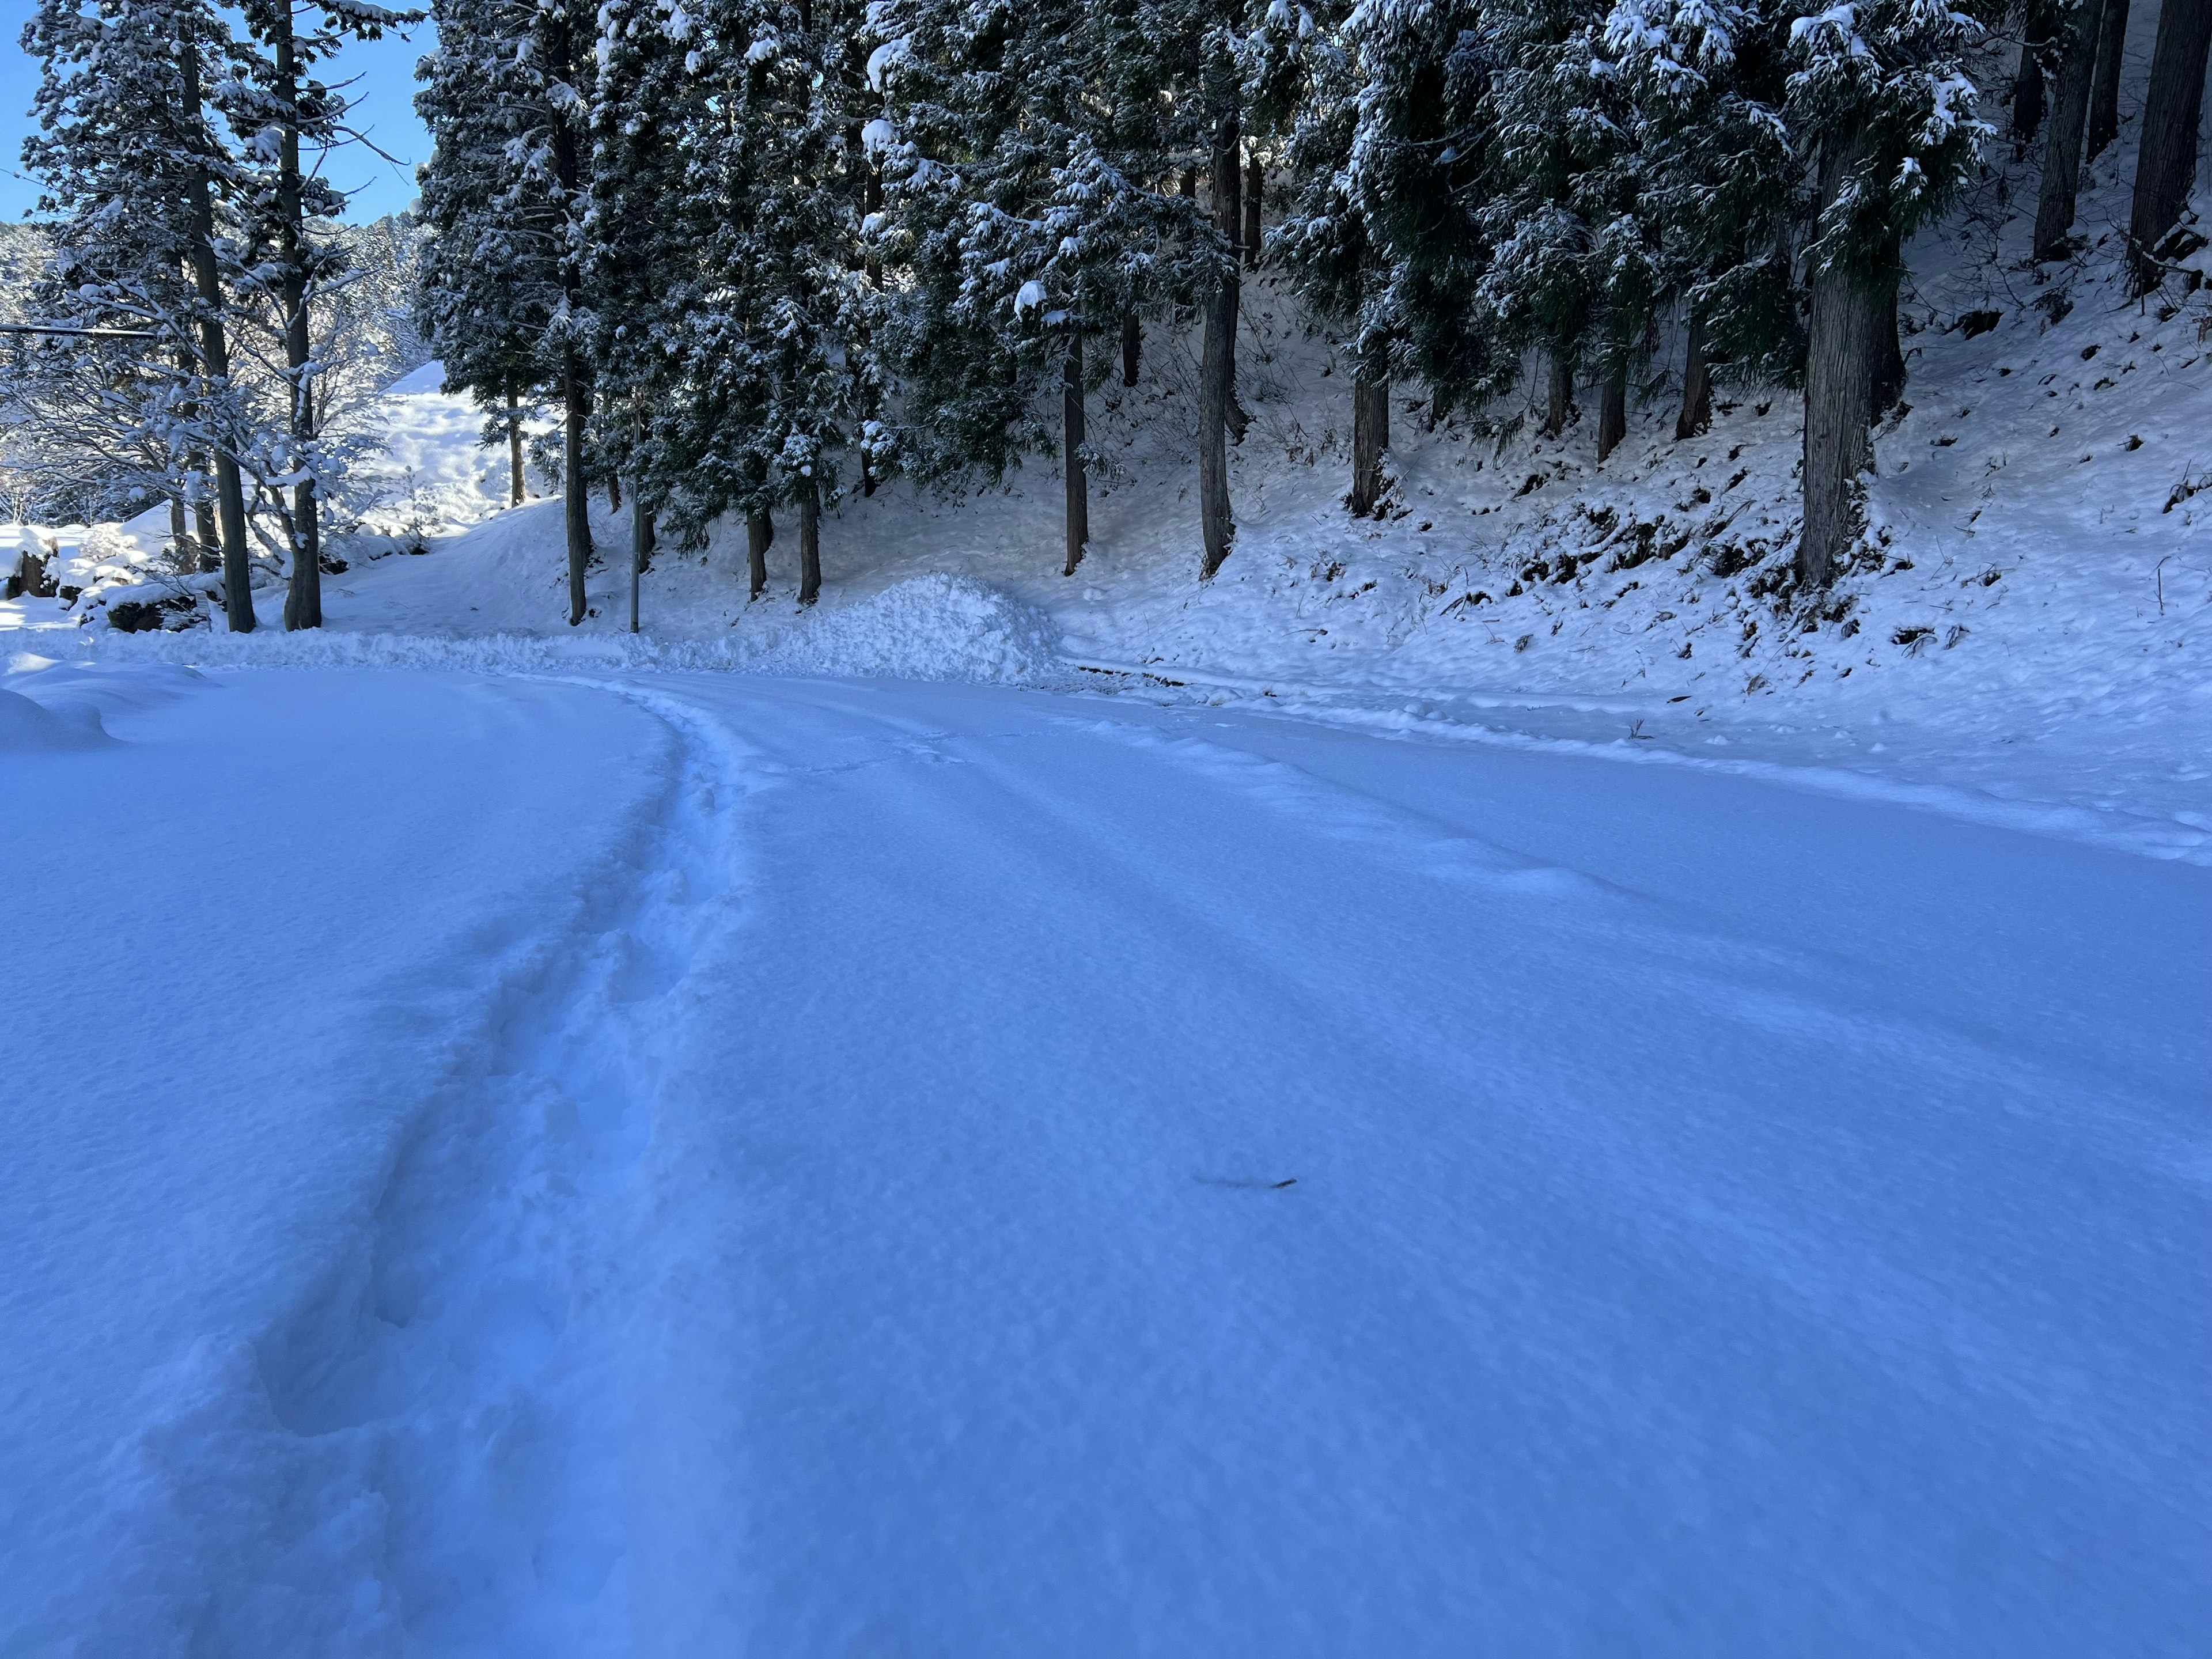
(426, 1458)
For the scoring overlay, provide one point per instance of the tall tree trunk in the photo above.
(1078, 484)
(575, 503)
(1132, 347)
(640, 549)
(2062, 145)
(2027, 84)
(575, 394)
(810, 542)
(1218, 373)
(1848, 309)
(614, 493)
(182, 548)
(1885, 369)
(760, 536)
(1256, 181)
(1612, 411)
(303, 596)
(2166, 155)
(1847, 312)
(1370, 438)
(2105, 91)
(1560, 402)
(214, 363)
(1697, 414)
(514, 448)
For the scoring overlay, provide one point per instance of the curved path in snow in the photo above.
(713, 1164)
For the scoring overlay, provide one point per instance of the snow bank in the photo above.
(28, 724)
(930, 628)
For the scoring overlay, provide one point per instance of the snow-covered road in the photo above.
(694, 1165)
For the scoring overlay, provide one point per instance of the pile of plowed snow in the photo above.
(930, 627)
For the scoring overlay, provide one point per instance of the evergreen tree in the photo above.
(1720, 184)
(773, 342)
(136, 172)
(1883, 108)
(1024, 201)
(1307, 78)
(638, 232)
(488, 280)
(1179, 67)
(2105, 94)
(2166, 155)
(504, 195)
(2077, 49)
(1575, 272)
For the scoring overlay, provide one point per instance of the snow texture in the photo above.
(970, 1170)
(1007, 1114)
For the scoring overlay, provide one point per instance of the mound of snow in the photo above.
(929, 628)
(936, 627)
(25, 724)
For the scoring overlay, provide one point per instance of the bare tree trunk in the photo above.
(1697, 414)
(183, 549)
(2166, 157)
(810, 543)
(1256, 180)
(640, 549)
(2027, 84)
(760, 536)
(1218, 374)
(2105, 91)
(1370, 438)
(1885, 369)
(204, 532)
(214, 363)
(614, 493)
(303, 596)
(1612, 411)
(1561, 403)
(575, 392)
(1132, 347)
(514, 448)
(574, 411)
(2062, 146)
(1078, 484)
(1847, 312)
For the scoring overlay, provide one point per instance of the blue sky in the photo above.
(384, 105)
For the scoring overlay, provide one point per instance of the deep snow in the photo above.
(632, 1163)
(1014, 1114)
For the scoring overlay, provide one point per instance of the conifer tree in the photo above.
(1575, 272)
(2105, 94)
(2166, 155)
(1025, 202)
(506, 102)
(2077, 49)
(1720, 184)
(135, 170)
(1883, 106)
(773, 342)
(638, 232)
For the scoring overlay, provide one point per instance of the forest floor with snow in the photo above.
(1008, 1114)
